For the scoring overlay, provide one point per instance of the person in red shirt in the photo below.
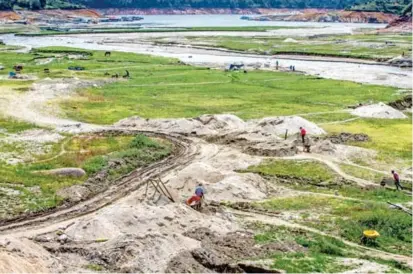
(396, 180)
(303, 132)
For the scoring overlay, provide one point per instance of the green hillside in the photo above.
(393, 6)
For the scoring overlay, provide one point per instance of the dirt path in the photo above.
(329, 162)
(34, 106)
(61, 152)
(279, 222)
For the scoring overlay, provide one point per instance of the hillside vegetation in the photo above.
(371, 5)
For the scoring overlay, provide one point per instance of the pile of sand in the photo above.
(139, 237)
(279, 125)
(380, 110)
(202, 125)
(220, 185)
(23, 256)
(224, 124)
(290, 40)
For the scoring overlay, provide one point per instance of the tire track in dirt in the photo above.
(183, 153)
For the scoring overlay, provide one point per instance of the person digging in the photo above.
(396, 178)
(303, 133)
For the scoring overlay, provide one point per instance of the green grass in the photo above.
(349, 218)
(13, 126)
(318, 253)
(302, 263)
(94, 267)
(329, 117)
(311, 170)
(392, 138)
(92, 153)
(316, 172)
(161, 87)
(362, 173)
(298, 203)
(353, 191)
(366, 46)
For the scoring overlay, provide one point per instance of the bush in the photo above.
(141, 141)
(95, 164)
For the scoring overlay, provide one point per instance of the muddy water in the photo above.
(135, 42)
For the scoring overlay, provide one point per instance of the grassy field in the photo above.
(33, 191)
(309, 252)
(306, 169)
(392, 138)
(321, 179)
(348, 219)
(366, 46)
(161, 87)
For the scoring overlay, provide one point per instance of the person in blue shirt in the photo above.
(199, 190)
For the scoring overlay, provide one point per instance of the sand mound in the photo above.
(245, 187)
(140, 237)
(202, 125)
(278, 125)
(220, 185)
(325, 147)
(290, 40)
(216, 169)
(224, 124)
(141, 219)
(380, 110)
(22, 256)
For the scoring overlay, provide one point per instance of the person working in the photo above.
(396, 180)
(303, 133)
(200, 191)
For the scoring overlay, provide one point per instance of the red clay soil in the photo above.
(402, 24)
(342, 16)
(9, 15)
(72, 13)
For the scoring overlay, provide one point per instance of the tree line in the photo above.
(376, 5)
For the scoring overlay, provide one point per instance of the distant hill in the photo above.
(392, 6)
